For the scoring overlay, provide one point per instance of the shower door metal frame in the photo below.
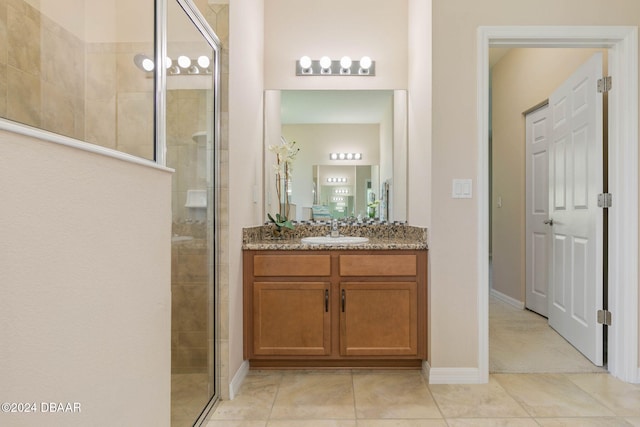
(160, 149)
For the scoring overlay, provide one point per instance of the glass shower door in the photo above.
(191, 147)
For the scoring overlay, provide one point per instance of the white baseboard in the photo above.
(238, 379)
(507, 299)
(455, 376)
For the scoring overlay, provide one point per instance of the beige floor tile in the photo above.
(312, 423)
(314, 396)
(551, 395)
(622, 398)
(475, 400)
(254, 400)
(399, 395)
(583, 422)
(521, 341)
(402, 423)
(491, 422)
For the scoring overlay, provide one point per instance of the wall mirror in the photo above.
(369, 127)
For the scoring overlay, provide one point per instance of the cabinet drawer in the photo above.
(378, 265)
(292, 265)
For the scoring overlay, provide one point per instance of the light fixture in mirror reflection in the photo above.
(345, 156)
(183, 65)
(369, 124)
(345, 66)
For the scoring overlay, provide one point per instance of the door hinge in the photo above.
(604, 84)
(604, 317)
(605, 200)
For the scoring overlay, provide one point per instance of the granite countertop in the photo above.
(382, 236)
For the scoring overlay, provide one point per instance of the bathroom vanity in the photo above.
(336, 305)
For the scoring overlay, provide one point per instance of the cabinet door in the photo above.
(378, 319)
(291, 318)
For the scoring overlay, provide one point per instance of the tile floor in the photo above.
(520, 342)
(189, 394)
(404, 399)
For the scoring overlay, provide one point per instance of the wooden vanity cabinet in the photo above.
(335, 308)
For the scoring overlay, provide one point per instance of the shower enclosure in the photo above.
(192, 97)
(143, 78)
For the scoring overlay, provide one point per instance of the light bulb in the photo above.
(357, 156)
(143, 62)
(184, 61)
(168, 62)
(204, 61)
(365, 62)
(341, 156)
(333, 156)
(325, 62)
(345, 62)
(147, 64)
(350, 156)
(305, 62)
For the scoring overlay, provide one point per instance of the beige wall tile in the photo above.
(101, 76)
(135, 123)
(3, 33)
(58, 110)
(23, 24)
(100, 119)
(23, 97)
(3, 89)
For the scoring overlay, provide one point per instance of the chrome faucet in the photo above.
(334, 228)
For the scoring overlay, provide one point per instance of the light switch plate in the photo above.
(462, 189)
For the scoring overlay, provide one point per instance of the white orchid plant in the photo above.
(285, 155)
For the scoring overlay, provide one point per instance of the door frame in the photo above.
(622, 45)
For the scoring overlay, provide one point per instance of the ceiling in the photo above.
(334, 106)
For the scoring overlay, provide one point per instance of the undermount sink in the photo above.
(340, 240)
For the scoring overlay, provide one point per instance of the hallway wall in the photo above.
(454, 228)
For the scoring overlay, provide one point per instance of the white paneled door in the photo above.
(538, 133)
(575, 179)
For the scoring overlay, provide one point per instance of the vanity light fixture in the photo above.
(182, 66)
(341, 191)
(345, 66)
(143, 62)
(337, 180)
(345, 156)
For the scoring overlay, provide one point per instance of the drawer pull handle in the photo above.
(326, 300)
(344, 300)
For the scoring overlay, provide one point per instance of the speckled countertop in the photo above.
(382, 236)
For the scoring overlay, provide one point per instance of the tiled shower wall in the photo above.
(41, 71)
(51, 79)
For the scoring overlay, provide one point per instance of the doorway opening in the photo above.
(621, 43)
(522, 147)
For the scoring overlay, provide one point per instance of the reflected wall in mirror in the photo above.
(370, 122)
